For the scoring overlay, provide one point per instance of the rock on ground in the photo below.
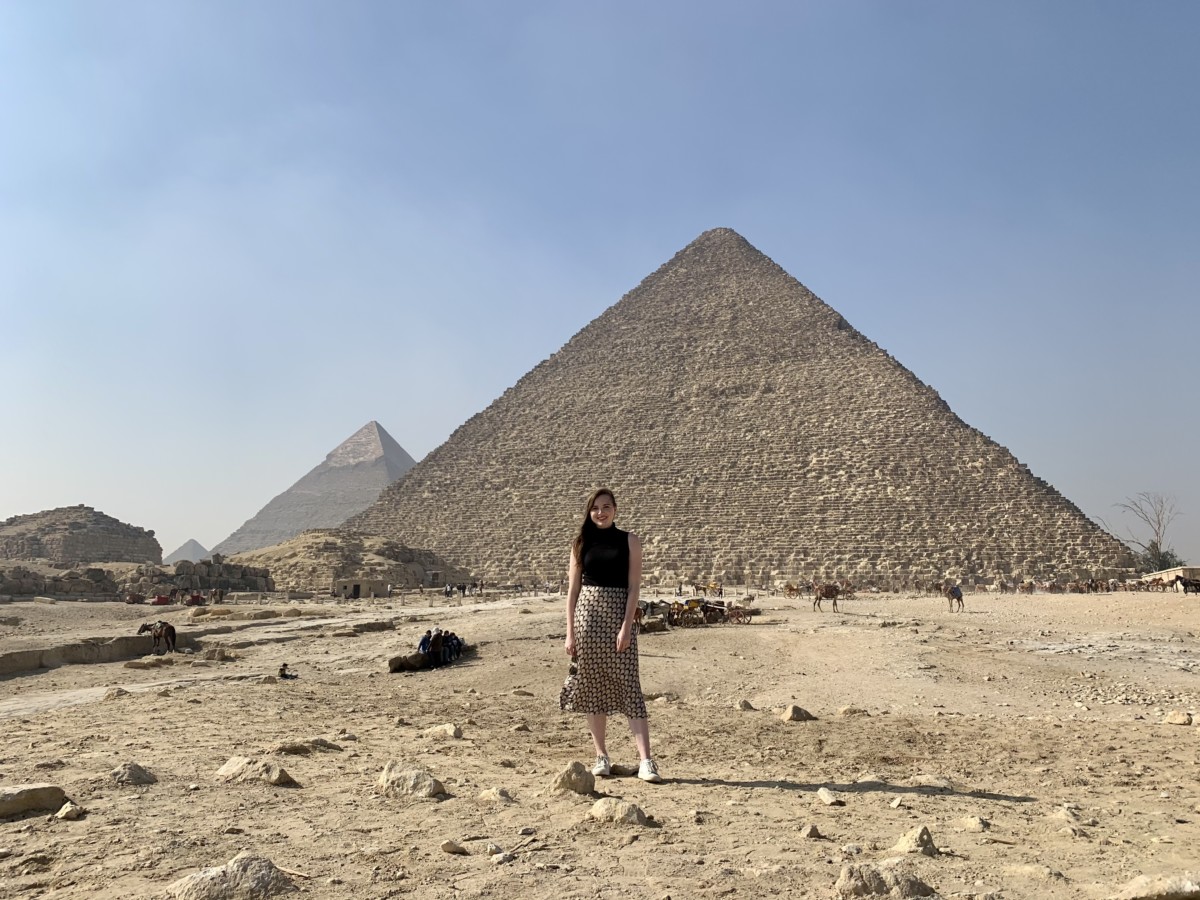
(867, 880)
(22, 798)
(830, 798)
(575, 778)
(1161, 887)
(449, 730)
(245, 877)
(132, 773)
(918, 840)
(397, 781)
(610, 809)
(793, 713)
(242, 768)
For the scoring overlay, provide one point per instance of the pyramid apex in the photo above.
(370, 442)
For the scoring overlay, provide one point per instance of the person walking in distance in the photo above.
(604, 581)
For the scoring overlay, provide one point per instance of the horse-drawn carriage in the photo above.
(695, 612)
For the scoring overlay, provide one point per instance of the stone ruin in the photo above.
(206, 575)
(751, 435)
(90, 582)
(74, 535)
(315, 559)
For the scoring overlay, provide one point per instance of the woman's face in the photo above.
(603, 511)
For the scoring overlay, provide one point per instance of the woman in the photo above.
(604, 584)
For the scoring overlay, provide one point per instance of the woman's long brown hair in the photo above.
(588, 528)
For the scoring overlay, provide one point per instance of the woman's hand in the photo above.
(570, 645)
(624, 636)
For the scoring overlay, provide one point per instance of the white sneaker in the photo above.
(648, 771)
(602, 767)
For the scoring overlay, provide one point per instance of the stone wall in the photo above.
(19, 580)
(207, 575)
(76, 534)
(750, 435)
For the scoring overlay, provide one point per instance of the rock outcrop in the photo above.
(751, 436)
(347, 482)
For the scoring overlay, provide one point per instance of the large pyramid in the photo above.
(347, 482)
(750, 435)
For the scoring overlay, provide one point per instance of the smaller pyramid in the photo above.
(191, 551)
(347, 482)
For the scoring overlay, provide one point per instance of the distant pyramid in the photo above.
(191, 551)
(751, 435)
(347, 482)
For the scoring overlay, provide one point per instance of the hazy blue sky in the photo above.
(232, 233)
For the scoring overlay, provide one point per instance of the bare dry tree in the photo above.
(1156, 512)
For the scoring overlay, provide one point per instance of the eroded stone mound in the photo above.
(76, 534)
(313, 560)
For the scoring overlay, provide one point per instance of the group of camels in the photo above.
(953, 593)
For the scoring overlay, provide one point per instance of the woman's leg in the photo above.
(641, 736)
(598, 725)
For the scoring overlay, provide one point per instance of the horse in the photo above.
(825, 592)
(160, 631)
(1190, 585)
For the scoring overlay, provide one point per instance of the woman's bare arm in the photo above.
(625, 635)
(574, 582)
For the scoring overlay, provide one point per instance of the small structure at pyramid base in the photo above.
(751, 436)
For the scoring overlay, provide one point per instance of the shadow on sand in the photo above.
(858, 787)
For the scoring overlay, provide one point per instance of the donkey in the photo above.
(160, 631)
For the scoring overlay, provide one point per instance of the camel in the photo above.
(160, 632)
(825, 592)
(954, 595)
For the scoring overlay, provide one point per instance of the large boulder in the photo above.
(23, 798)
(412, 662)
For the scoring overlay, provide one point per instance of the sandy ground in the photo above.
(1042, 715)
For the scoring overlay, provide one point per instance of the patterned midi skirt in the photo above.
(604, 681)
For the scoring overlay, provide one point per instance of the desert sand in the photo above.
(1029, 735)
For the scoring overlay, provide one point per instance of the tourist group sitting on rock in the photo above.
(440, 647)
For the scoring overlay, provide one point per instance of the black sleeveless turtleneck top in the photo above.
(605, 558)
